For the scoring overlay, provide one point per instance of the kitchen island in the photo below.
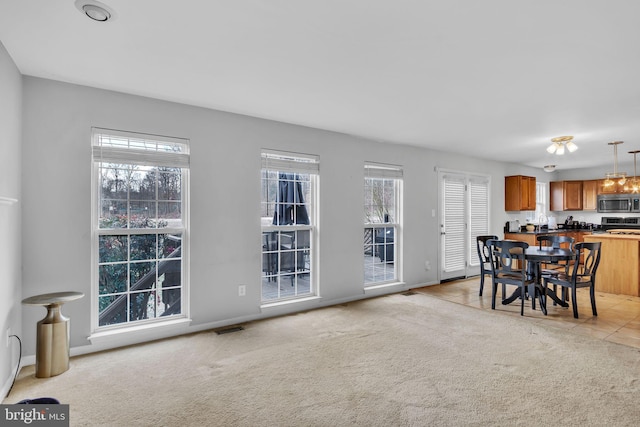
(619, 269)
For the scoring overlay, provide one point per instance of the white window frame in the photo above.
(131, 148)
(291, 285)
(542, 202)
(382, 236)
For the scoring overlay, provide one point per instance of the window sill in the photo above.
(382, 286)
(147, 331)
(289, 302)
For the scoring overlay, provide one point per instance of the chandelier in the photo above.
(560, 143)
(620, 176)
(634, 184)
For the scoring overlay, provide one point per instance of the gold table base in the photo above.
(52, 339)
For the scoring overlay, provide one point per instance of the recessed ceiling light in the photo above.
(95, 10)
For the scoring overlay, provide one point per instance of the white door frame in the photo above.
(468, 265)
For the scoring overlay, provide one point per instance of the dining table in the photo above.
(535, 257)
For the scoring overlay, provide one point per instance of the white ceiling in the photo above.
(494, 79)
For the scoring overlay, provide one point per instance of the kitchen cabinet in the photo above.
(614, 189)
(519, 193)
(566, 195)
(590, 195)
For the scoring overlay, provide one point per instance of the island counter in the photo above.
(619, 269)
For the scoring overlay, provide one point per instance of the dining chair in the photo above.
(484, 256)
(508, 266)
(555, 241)
(582, 274)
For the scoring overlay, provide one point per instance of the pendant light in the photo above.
(634, 184)
(620, 176)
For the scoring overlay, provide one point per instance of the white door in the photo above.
(464, 215)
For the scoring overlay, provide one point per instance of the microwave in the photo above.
(618, 203)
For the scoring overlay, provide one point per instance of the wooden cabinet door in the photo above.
(511, 193)
(614, 189)
(519, 193)
(556, 196)
(530, 189)
(572, 195)
(590, 195)
(565, 196)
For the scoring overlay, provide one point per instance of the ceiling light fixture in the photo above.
(620, 176)
(95, 10)
(549, 168)
(560, 143)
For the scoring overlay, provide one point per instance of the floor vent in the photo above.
(229, 330)
(408, 293)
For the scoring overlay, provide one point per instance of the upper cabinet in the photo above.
(615, 188)
(566, 196)
(519, 193)
(590, 195)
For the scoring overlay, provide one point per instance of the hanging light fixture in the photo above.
(620, 176)
(560, 143)
(549, 168)
(634, 184)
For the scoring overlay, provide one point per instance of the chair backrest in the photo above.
(484, 253)
(507, 256)
(587, 261)
(556, 241)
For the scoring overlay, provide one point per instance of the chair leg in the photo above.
(523, 287)
(574, 303)
(481, 281)
(494, 288)
(592, 293)
(543, 297)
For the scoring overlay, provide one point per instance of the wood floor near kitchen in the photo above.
(618, 317)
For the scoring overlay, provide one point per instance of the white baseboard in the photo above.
(9, 382)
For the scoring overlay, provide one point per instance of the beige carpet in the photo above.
(399, 360)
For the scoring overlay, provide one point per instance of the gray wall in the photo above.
(10, 262)
(224, 200)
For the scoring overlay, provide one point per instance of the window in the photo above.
(381, 223)
(288, 215)
(140, 227)
(541, 202)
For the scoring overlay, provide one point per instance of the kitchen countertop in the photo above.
(587, 230)
(616, 236)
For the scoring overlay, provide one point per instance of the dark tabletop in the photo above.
(547, 253)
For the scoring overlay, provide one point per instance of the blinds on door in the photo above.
(454, 225)
(479, 216)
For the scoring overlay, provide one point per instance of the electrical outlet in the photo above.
(242, 290)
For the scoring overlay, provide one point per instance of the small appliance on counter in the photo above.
(512, 226)
(553, 224)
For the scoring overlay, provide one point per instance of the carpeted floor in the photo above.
(399, 360)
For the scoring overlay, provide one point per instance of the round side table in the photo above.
(52, 340)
